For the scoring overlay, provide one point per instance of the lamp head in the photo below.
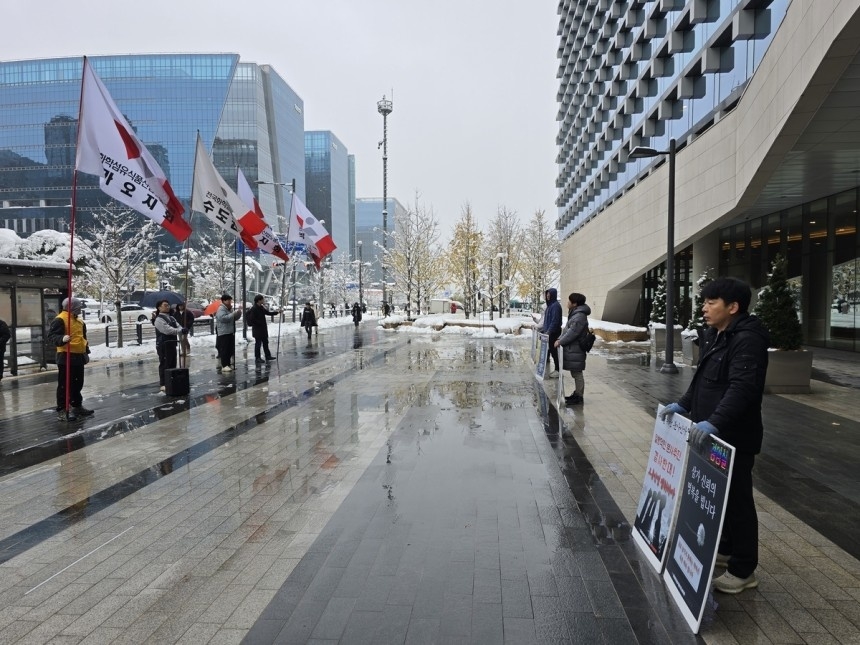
(643, 152)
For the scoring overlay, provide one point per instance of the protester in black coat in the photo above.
(724, 399)
(309, 319)
(5, 336)
(573, 355)
(186, 320)
(256, 318)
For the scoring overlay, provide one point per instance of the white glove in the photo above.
(66, 338)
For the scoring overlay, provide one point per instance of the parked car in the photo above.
(131, 313)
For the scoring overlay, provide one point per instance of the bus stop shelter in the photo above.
(30, 295)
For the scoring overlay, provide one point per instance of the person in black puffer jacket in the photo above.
(573, 355)
(724, 399)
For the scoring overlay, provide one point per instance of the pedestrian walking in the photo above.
(68, 333)
(225, 332)
(5, 337)
(256, 318)
(186, 320)
(356, 314)
(309, 319)
(551, 325)
(573, 355)
(724, 399)
(167, 336)
(386, 309)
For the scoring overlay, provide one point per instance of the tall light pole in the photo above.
(384, 107)
(641, 152)
(501, 257)
(289, 186)
(360, 284)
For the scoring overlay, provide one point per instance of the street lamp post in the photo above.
(641, 152)
(289, 186)
(384, 107)
(360, 284)
(501, 257)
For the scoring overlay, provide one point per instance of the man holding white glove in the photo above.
(724, 399)
(68, 333)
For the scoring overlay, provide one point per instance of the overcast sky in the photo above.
(474, 80)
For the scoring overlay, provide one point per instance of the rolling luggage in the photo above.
(176, 382)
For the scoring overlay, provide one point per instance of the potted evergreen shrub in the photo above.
(692, 336)
(657, 326)
(789, 366)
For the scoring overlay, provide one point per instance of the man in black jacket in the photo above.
(724, 399)
(5, 336)
(256, 319)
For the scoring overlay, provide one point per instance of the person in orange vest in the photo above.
(68, 333)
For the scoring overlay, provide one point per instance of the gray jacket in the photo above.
(225, 320)
(576, 327)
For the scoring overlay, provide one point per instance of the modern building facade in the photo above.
(327, 186)
(760, 97)
(245, 113)
(369, 231)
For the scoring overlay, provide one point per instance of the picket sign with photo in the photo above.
(655, 514)
(543, 354)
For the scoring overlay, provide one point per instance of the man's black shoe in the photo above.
(81, 411)
(62, 416)
(573, 399)
(269, 358)
(259, 361)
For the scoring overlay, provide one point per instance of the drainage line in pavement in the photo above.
(34, 534)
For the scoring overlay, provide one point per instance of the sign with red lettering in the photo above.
(701, 510)
(655, 513)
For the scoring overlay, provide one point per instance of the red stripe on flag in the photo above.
(131, 148)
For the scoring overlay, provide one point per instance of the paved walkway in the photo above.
(386, 487)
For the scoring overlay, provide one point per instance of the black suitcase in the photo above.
(176, 382)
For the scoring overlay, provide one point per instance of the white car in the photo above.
(131, 313)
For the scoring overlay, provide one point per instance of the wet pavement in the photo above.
(386, 487)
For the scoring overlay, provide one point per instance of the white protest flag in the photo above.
(213, 197)
(266, 239)
(308, 230)
(107, 147)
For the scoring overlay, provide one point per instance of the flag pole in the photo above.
(72, 243)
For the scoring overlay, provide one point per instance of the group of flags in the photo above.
(108, 147)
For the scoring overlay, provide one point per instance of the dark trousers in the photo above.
(261, 343)
(2, 357)
(553, 351)
(740, 529)
(225, 346)
(166, 359)
(76, 384)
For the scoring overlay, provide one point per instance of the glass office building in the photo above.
(766, 159)
(368, 231)
(327, 187)
(167, 99)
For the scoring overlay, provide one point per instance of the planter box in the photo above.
(624, 336)
(690, 349)
(788, 372)
(658, 339)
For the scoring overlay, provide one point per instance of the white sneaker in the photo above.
(553, 374)
(722, 559)
(727, 583)
(226, 368)
(161, 389)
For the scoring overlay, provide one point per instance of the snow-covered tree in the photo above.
(505, 236)
(777, 308)
(539, 266)
(697, 320)
(462, 257)
(415, 257)
(658, 306)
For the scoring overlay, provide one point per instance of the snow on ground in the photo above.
(479, 327)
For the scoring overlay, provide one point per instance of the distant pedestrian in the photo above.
(552, 325)
(386, 309)
(5, 336)
(68, 333)
(356, 314)
(724, 399)
(225, 332)
(453, 307)
(256, 318)
(186, 320)
(167, 335)
(309, 319)
(573, 355)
